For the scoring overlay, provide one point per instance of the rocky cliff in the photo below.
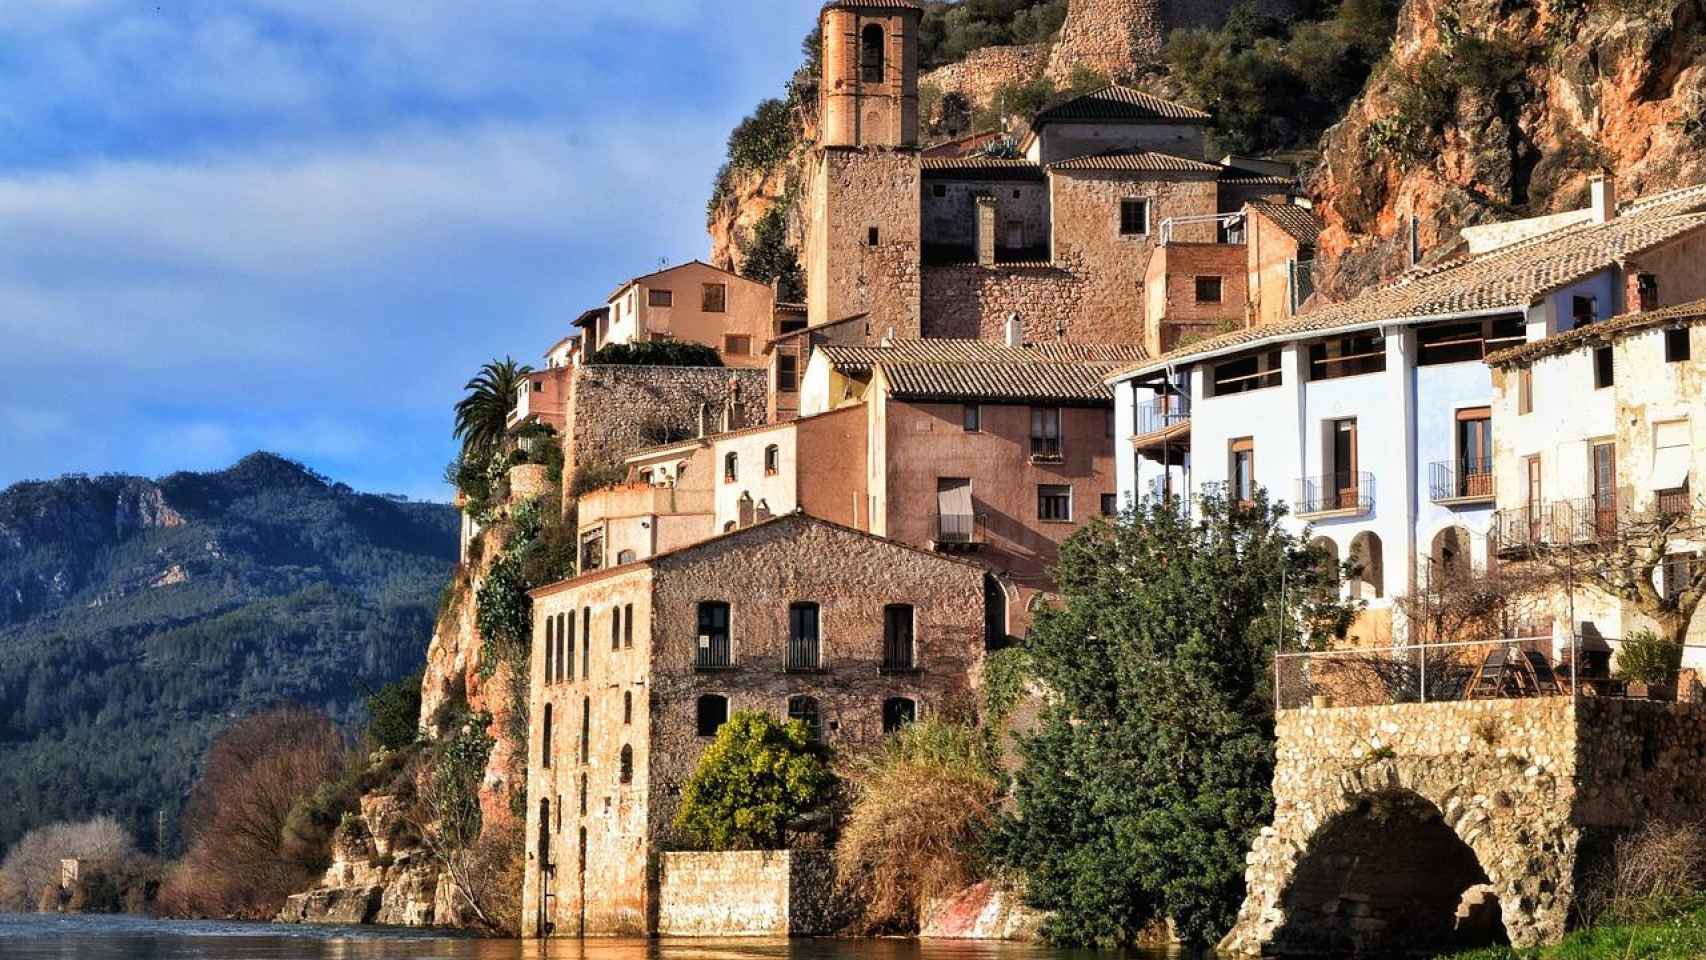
(1489, 110)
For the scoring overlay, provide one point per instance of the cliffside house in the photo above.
(693, 302)
(1373, 418)
(635, 667)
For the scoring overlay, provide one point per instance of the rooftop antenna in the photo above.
(663, 262)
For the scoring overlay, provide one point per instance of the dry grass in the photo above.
(919, 808)
(1654, 873)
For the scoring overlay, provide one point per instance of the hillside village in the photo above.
(845, 504)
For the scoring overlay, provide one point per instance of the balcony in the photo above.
(1342, 493)
(1452, 482)
(1045, 449)
(897, 657)
(713, 654)
(1225, 228)
(958, 531)
(805, 655)
(1162, 413)
(1581, 522)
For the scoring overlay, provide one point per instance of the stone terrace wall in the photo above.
(746, 893)
(1114, 37)
(979, 76)
(1640, 761)
(615, 410)
(967, 300)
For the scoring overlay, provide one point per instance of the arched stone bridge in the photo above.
(1456, 823)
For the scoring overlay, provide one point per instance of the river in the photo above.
(90, 937)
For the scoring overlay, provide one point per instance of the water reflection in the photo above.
(53, 937)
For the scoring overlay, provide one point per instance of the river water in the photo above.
(61, 937)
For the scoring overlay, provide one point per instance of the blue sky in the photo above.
(300, 225)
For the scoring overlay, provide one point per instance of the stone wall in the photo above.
(853, 193)
(985, 71)
(1124, 38)
(967, 300)
(1388, 819)
(747, 893)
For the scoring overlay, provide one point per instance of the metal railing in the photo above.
(1164, 411)
(1342, 491)
(1045, 448)
(1582, 521)
(1465, 479)
(805, 655)
(897, 655)
(713, 653)
(1422, 673)
(1228, 227)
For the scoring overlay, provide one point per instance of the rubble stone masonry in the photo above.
(859, 196)
(986, 70)
(747, 893)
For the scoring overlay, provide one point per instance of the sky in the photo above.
(301, 225)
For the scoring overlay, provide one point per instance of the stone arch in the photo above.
(1387, 870)
(1329, 547)
(1368, 581)
(1450, 553)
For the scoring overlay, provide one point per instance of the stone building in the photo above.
(634, 667)
(1598, 425)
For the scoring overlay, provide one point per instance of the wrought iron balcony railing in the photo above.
(1165, 411)
(1463, 479)
(805, 655)
(1045, 448)
(713, 653)
(1338, 492)
(1583, 521)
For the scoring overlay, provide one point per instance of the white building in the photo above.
(1372, 418)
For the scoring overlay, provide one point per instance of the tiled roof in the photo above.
(994, 168)
(986, 370)
(623, 287)
(873, 5)
(1237, 178)
(1508, 278)
(1682, 313)
(1300, 222)
(1119, 105)
(1141, 161)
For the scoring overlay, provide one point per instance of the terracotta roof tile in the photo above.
(1144, 161)
(986, 370)
(1298, 221)
(1120, 105)
(990, 167)
(874, 5)
(1508, 278)
(1692, 312)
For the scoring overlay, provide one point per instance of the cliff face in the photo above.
(751, 195)
(1535, 99)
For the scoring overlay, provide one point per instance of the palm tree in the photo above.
(483, 414)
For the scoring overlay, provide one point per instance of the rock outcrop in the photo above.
(1561, 91)
(983, 911)
(377, 875)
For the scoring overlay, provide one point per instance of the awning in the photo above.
(953, 498)
(1670, 468)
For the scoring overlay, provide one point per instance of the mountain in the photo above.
(140, 617)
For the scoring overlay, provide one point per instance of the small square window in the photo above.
(871, 236)
(1015, 194)
(715, 298)
(1054, 502)
(1208, 289)
(737, 345)
(1134, 218)
(1602, 368)
(972, 418)
(1677, 348)
(939, 190)
(1584, 310)
(1110, 504)
(660, 298)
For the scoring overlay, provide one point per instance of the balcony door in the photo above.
(1474, 453)
(1344, 436)
(803, 652)
(1604, 489)
(1534, 499)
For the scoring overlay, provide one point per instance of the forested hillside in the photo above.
(138, 618)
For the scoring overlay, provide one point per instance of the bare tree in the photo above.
(33, 863)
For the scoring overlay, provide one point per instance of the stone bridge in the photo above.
(1456, 823)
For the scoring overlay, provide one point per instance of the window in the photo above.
(1524, 390)
(1054, 502)
(1646, 291)
(1672, 452)
(787, 372)
(1045, 432)
(583, 813)
(956, 519)
(939, 190)
(627, 626)
(1676, 345)
(897, 713)
(550, 642)
(1243, 472)
(772, 460)
(660, 298)
(1208, 289)
(1474, 453)
(627, 707)
(545, 739)
(625, 773)
(569, 661)
(714, 298)
(713, 634)
(1253, 371)
(1468, 341)
(1347, 356)
(971, 417)
(586, 643)
(615, 628)
(805, 710)
(1134, 218)
(625, 556)
(586, 728)
(592, 551)
(1583, 310)
(711, 712)
(1110, 504)
(872, 236)
(871, 54)
(1676, 574)
(737, 345)
(731, 467)
(897, 638)
(804, 652)
(1602, 368)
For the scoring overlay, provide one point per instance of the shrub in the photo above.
(1645, 657)
(767, 257)
(951, 31)
(590, 476)
(658, 353)
(33, 862)
(503, 614)
(394, 712)
(762, 140)
(754, 779)
(1653, 874)
(921, 805)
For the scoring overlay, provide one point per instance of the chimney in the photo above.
(1602, 193)
(1015, 333)
(985, 230)
(1414, 241)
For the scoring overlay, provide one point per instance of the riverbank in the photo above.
(1683, 938)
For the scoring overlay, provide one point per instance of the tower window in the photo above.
(871, 237)
(871, 54)
(1676, 345)
(626, 765)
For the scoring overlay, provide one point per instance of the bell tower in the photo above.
(864, 225)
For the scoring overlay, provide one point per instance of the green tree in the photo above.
(394, 712)
(1151, 767)
(754, 779)
(658, 353)
(767, 257)
(483, 415)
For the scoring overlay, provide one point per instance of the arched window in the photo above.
(897, 713)
(871, 54)
(545, 739)
(1449, 555)
(550, 644)
(805, 710)
(1368, 576)
(627, 707)
(731, 467)
(772, 460)
(712, 712)
(1330, 553)
(626, 774)
(586, 728)
(626, 556)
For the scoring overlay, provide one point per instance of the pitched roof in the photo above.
(873, 5)
(983, 168)
(1117, 104)
(1139, 161)
(985, 370)
(623, 287)
(590, 317)
(1682, 313)
(1298, 221)
(1508, 278)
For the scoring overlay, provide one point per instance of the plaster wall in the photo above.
(749, 309)
(1268, 282)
